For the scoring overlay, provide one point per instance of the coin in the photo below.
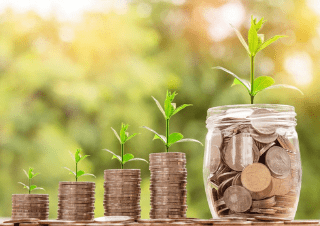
(265, 139)
(256, 177)
(237, 198)
(286, 144)
(278, 161)
(224, 185)
(225, 176)
(237, 180)
(214, 158)
(266, 203)
(256, 152)
(281, 186)
(266, 148)
(239, 153)
(260, 121)
(262, 194)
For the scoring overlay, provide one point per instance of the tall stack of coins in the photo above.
(30, 206)
(76, 201)
(254, 169)
(122, 193)
(168, 185)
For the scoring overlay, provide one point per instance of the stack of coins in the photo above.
(76, 201)
(122, 193)
(30, 206)
(168, 185)
(256, 169)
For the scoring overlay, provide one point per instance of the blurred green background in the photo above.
(70, 71)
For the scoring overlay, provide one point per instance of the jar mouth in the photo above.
(278, 107)
(244, 113)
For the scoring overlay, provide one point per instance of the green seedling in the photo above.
(30, 176)
(170, 110)
(77, 158)
(255, 44)
(123, 138)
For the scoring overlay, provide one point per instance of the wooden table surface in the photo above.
(165, 222)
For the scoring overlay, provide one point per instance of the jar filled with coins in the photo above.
(252, 166)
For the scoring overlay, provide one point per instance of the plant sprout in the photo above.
(123, 138)
(170, 110)
(255, 44)
(77, 158)
(30, 176)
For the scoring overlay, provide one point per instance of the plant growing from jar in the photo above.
(123, 137)
(30, 175)
(168, 111)
(252, 159)
(255, 44)
(77, 158)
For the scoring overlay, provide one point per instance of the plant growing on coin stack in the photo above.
(252, 163)
(76, 199)
(30, 205)
(122, 183)
(168, 169)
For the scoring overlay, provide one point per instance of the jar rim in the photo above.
(278, 107)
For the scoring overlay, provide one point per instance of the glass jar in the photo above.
(252, 166)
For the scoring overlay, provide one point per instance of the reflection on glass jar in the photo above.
(252, 165)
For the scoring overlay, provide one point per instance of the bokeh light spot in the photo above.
(299, 65)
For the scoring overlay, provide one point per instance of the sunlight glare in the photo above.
(299, 65)
(220, 19)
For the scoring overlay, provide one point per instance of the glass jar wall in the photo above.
(252, 165)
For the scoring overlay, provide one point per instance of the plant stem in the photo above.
(252, 77)
(29, 185)
(122, 148)
(167, 134)
(76, 171)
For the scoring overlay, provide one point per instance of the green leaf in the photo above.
(237, 82)
(71, 172)
(77, 155)
(123, 135)
(83, 157)
(38, 188)
(80, 173)
(159, 106)
(189, 140)
(261, 83)
(115, 133)
(259, 24)
(270, 41)
(243, 81)
(160, 136)
(32, 187)
(243, 42)
(253, 39)
(168, 107)
(24, 186)
(89, 174)
(174, 137)
(138, 159)
(30, 174)
(133, 135)
(114, 155)
(127, 157)
(33, 175)
(284, 86)
(260, 39)
(180, 108)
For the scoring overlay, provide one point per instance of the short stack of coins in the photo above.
(122, 192)
(76, 201)
(168, 185)
(259, 172)
(30, 206)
